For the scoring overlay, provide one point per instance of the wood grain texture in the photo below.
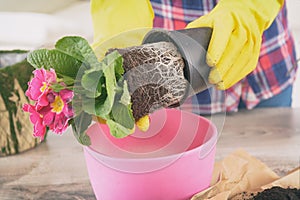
(56, 168)
(271, 135)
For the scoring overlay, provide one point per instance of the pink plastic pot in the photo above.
(173, 160)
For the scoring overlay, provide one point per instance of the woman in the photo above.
(251, 51)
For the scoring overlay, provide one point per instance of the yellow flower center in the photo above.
(57, 105)
(43, 88)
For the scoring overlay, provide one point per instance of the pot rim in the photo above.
(208, 145)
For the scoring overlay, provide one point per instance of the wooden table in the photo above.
(56, 169)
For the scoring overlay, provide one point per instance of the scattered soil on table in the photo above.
(155, 76)
(274, 193)
(278, 193)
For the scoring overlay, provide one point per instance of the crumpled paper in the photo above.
(240, 174)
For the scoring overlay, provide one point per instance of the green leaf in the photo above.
(92, 81)
(68, 80)
(115, 59)
(111, 85)
(57, 87)
(63, 64)
(114, 104)
(93, 106)
(78, 48)
(122, 114)
(96, 85)
(118, 62)
(80, 125)
(117, 130)
(125, 98)
(78, 89)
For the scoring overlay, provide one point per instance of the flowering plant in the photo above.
(70, 87)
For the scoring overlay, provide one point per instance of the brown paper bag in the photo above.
(241, 175)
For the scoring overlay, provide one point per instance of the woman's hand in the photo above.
(237, 26)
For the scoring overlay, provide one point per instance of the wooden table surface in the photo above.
(56, 168)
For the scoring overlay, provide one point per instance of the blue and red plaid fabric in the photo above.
(275, 71)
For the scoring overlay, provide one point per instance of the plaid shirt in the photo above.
(276, 68)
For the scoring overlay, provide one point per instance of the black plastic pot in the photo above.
(192, 44)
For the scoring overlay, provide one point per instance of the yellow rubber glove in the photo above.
(120, 24)
(113, 17)
(235, 44)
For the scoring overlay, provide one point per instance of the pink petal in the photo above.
(39, 130)
(51, 76)
(48, 118)
(36, 83)
(26, 107)
(43, 100)
(34, 118)
(68, 111)
(60, 124)
(43, 110)
(39, 73)
(66, 95)
(33, 91)
(34, 115)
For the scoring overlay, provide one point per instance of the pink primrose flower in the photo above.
(39, 128)
(58, 113)
(51, 109)
(38, 87)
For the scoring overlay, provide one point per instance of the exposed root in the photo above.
(155, 76)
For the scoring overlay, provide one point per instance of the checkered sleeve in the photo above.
(275, 71)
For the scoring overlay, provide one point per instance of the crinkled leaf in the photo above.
(63, 64)
(80, 125)
(78, 48)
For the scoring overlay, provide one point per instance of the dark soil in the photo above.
(155, 76)
(278, 193)
(274, 193)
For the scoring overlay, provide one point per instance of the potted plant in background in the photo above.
(15, 127)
